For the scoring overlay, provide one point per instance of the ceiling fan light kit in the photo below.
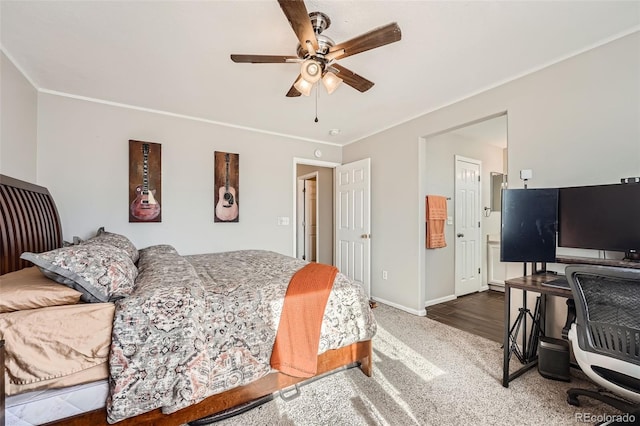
(331, 81)
(318, 53)
(311, 70)
(303, 86)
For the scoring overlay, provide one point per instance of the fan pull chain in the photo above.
(316, 120)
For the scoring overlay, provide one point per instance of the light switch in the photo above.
(283, 221)
(449, 220)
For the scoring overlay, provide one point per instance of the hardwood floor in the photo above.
(480, 313)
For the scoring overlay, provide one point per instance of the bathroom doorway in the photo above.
(486, 141)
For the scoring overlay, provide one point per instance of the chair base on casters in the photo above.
(620, 404)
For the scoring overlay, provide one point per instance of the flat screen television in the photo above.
(528, 225)
(600, 217)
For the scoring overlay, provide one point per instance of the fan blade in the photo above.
(353, 79)
(264, 59)
(296, 13)
(293, 92)
(370, 40)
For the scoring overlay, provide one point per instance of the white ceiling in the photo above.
(173, 56)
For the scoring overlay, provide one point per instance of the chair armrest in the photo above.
(571, 317)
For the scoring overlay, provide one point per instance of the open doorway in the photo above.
(314, 216)
(485, 141)
(307, 217)
(343, 228)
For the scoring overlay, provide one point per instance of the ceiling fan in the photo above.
(318, 54)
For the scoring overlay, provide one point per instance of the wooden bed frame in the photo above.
(30, 222)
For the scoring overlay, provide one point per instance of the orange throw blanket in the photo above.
(295, 351)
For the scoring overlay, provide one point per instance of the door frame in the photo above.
(307, 162)
(423, 181)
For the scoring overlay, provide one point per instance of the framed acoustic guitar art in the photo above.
(145, 176)
(226, 187)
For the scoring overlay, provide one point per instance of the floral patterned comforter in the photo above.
(202, 324)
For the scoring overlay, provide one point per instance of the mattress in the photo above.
(41, 406)
(37, 358)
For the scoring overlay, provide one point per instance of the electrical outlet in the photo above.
(385, 275)
(526, 174)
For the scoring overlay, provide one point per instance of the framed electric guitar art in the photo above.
(226, 187)
(145, 178)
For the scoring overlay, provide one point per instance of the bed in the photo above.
(147, 319)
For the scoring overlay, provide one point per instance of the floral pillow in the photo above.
(101, 272)
(117, 240)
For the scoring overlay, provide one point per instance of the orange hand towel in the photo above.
(436, 212)
(295, 351)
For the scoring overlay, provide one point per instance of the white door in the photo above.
(353, 221)
(468, 278)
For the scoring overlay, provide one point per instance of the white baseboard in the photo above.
(420, 313)
(440, 300)
(496, 287)
(484, 288)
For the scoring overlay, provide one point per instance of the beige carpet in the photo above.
(427, 373)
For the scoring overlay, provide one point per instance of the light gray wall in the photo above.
(439, 162)
(83, 159)
(18, 123)
(572, 123)
(325, 209)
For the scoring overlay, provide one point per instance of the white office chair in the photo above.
(605, 336)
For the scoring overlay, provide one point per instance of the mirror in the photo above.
(498, 183)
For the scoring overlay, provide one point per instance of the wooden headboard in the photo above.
(29, 221)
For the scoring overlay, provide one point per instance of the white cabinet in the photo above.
(496, 270)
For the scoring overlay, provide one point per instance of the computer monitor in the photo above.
(529, 222)
(600, 217)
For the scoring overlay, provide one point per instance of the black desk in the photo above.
(527, 283)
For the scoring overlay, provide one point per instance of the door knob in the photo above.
(460, 235)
